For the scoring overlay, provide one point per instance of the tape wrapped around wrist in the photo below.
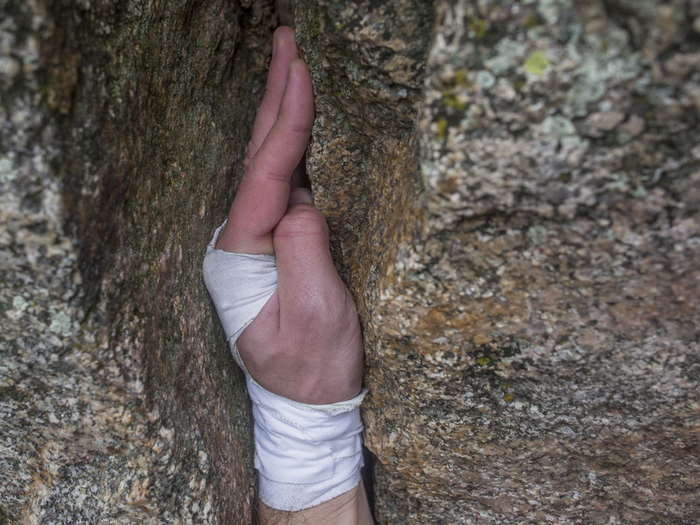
(305, 454)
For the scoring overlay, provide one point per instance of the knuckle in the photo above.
(261, 166)
(350, 310)
(311, 304)
(307, 221)
(298, 128)
(269, 94)
(251, 148)
(317, 308)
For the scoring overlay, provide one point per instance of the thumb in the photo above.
(308, 283)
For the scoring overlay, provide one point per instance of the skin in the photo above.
(305, 344)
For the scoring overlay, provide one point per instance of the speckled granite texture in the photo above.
(513, 189)
(122, 124)
(515, 201)
(77, 443)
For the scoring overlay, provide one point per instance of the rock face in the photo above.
(513, 190)
(123, 124)
(515, 201)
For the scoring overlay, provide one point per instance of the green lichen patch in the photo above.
(536, 63)
(453, 101)
(479, 28)
(442, 128)
(537, 234)
(483, 361)
(461, 78)
(7, 170)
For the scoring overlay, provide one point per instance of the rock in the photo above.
(634, 126)
(120, 401)
(693, 91)
(600, 123)
(530, 299)
(522, 243)
(681, 65)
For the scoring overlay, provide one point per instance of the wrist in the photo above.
(306, 454)
(350, 508)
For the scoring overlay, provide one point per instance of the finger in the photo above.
(284, 50)
(300, 196)
(263, 194)
(307, 280)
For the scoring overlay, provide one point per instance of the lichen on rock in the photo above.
(512, 194)
(519, 266)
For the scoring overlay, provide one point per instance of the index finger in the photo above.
(284, 50)
(263, 194)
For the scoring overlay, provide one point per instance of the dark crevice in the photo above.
(368, 479)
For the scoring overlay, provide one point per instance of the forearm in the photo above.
(350, 508)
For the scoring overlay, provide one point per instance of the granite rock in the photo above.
(123, 128)
(513, 194)
(520, 228)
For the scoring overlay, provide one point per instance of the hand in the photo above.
(305, 344)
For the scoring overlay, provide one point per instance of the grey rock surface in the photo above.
(519, 221)
(77, 443)
(513, 191)
(122, 124)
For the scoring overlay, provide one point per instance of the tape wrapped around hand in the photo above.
(240, 285)
(306, 454)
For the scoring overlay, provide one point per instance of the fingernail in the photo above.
(305, 197)
(300, 196)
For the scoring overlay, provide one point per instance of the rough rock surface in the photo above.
(513, 189)
(122, 125)
(520, 223)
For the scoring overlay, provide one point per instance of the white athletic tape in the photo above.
(306, 454)
(239, 285)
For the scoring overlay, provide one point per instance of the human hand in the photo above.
(305, 344)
